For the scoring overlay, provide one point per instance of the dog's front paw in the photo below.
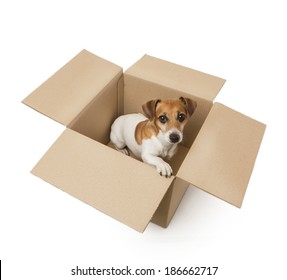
(164, 169)
(124, 151)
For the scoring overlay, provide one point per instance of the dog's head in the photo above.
(170, 116)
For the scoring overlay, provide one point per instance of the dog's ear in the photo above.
(149, 108)
(189, 104)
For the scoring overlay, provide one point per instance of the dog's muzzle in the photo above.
(174, 137)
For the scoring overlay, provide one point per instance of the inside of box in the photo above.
(119, 98)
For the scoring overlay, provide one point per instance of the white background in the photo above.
(44, 233)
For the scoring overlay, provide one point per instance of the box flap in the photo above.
(65, 94)
(178, 77)
(222, 157)
(119, 186)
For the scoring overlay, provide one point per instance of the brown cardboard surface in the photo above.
(170, 203)
(97, 117)
(222, 156)
(88, 93)
(101, 177)
(175, 76)
(65, 94)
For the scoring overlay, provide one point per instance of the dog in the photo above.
(155, 135)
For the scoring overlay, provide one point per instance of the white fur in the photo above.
(151, 150)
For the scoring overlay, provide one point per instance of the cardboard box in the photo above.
(87, 94)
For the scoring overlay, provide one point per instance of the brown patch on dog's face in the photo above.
(169, 116)
(149, 108)
(173, 113)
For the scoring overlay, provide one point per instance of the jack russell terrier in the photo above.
(155, 135)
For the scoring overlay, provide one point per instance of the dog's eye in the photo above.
(163, 119)
(181, 117)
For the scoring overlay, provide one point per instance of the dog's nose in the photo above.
(174, 137)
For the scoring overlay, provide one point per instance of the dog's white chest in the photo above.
(155, 146)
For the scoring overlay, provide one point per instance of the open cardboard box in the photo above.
(87, 94)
